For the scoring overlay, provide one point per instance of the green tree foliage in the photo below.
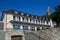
(48, 15)
(56, 15)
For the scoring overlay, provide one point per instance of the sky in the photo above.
(35, 7)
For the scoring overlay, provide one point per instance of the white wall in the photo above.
(7, 18)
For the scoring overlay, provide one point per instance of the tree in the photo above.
(56, 15)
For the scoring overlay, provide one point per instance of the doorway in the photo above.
(16, 37)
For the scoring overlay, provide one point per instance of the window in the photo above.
(13, 17)
(22, 13)
(36, 16)
(32, 28)
(16, 18)
(32, 16)
(31, 21)
(40, 18)
(27, 15)
(16, 12)
(25, 27)
(38, 28)
(47, 22)
(37, 21)
(25, 20)
(43, 22)
(16, 27)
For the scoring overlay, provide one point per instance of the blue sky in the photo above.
(36, 7)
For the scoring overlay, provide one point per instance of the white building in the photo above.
(19, 20)
(15, 22)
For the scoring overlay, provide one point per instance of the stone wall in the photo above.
(2, 35)
(56, 34)
(49, 34)
(31, 36)
(6, 35)
(11, 33)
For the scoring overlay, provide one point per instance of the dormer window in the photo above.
(36, 16)
(47, 22)
(32, 16)
(43, 18)
(40, 18)
(27, 15)
(46, 18)
(16, 12)
(22, 13)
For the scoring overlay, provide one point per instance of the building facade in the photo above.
(19, 20)
(15, 22)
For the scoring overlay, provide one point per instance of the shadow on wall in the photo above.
(1, 25)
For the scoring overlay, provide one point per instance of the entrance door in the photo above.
(16, 37)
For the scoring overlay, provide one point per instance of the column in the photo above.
(28, 20)
(35, 21)
(45, 23)
(21, 27)
(21, 19)
(51, 23)
(28, 27)
(35, 28)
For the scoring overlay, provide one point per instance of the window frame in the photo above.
(16, 27)
(25, 27)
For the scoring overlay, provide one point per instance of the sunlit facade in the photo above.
(22, 21)
(16, 24)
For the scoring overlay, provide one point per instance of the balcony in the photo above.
(26, 23)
